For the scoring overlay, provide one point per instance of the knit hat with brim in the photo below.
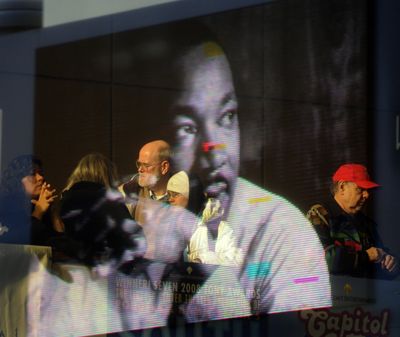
(179, 183)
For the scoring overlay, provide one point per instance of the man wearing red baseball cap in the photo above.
(350, 238)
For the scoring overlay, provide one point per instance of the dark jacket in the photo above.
(345, 239)
(99, 223)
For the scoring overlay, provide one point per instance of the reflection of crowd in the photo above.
(136, 234)
(97, 224)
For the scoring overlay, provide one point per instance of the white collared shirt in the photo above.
(156, 197)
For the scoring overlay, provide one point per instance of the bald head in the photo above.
(154, 167)
(157, 150)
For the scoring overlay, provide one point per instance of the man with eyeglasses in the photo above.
(152, 178)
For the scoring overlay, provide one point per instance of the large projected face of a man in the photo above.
(206, 122)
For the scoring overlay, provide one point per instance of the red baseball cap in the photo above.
(355, 173)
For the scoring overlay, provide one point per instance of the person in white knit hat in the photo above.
(178, 189)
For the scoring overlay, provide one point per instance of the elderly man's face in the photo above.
(351, 197)
(206, 123)
(149, 168)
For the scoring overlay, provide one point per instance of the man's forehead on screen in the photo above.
(205, 123)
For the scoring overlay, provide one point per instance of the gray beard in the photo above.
(151, 180)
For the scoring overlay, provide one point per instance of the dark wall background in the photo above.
(385, 138)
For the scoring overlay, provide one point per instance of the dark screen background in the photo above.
(300, 71)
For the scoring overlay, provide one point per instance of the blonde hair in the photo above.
(93, 167)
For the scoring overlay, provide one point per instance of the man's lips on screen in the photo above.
(216, 186)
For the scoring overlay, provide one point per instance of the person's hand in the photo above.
(375, 254)
(389, 263)
(42, 204)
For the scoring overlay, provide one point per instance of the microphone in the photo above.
(134, 177)
(131, 187)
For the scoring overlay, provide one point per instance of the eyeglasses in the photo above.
(172, 194)
(145, 165)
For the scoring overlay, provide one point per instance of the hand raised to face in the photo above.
(42, 204)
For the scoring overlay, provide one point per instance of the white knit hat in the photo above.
(179, 183)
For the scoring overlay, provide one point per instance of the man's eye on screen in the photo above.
(185, 130)
(227, 119)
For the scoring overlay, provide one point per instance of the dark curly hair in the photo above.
(18, 168)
